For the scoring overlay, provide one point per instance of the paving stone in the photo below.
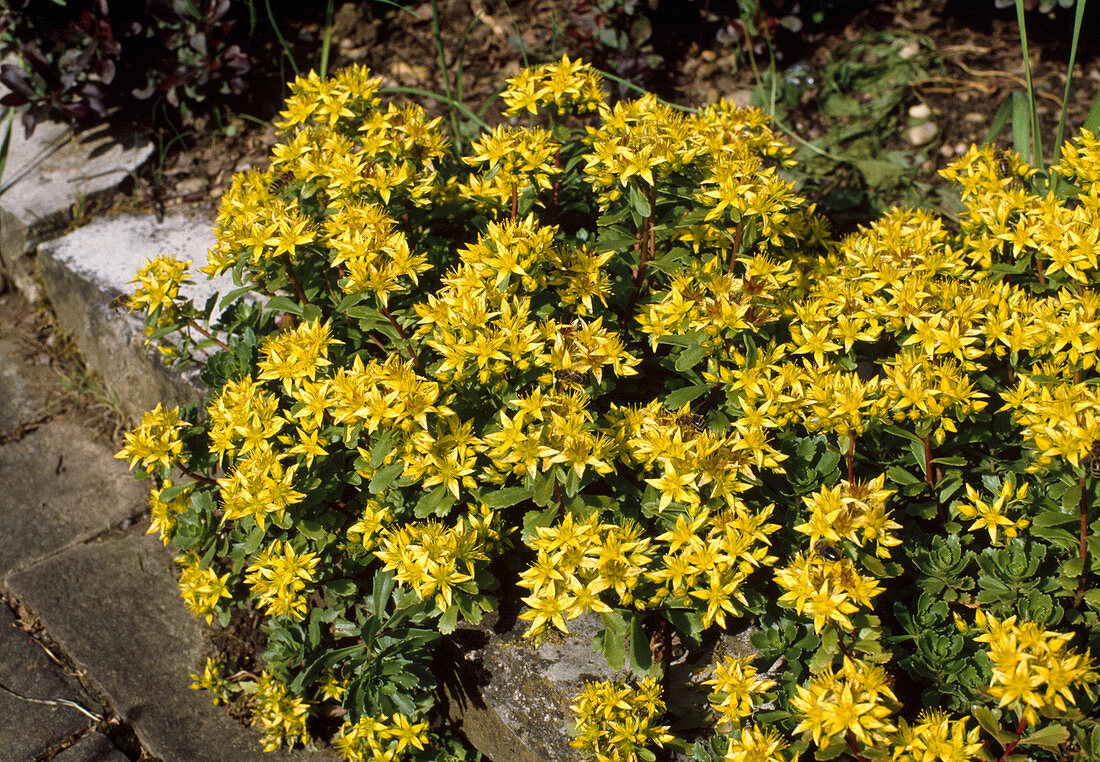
(82, 274)
(24, 386)
(94, 747)
(49, 172)
(59, 486)
(29, 730)
(114, 607)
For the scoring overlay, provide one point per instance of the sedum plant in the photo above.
(610, 360)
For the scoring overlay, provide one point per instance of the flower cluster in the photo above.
(380, 738)
(1034, 670)
(612, 355)
(617, 722)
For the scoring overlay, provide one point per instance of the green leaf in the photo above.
(990, 725)
(612, 646)
(386, 477)
(641, 658)
(899, 475)
(284, 304)
(1050, 737)
(677, 399)
(639, 201)
(449, 620)
(503, 498)
(1021, 123)
(535, 519)
(432, 502)
(690, 357)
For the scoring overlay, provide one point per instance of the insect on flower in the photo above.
(826, 551)
(697, 422)
(570, 376)
(279, 183)
(1004, 166)
(1094, 459)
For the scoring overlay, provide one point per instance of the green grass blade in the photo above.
(519, 37)
(460, 108)
(1078, 19)
(282, 41)
(5, 146)
(1021, 125)
(1033, 110)
(398, 6)
(441, 54)
(1092, 121)
(326, 40)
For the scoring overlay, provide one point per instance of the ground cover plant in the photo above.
(610, 356)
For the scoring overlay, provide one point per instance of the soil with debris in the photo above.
(972, 51)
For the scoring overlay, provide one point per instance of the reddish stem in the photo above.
(855, 749)
(294, 281)
(851, 456)
(737, 235)
(515, 202)
(191, 322)
(1020, 728)
(404, 337)
(196, 476)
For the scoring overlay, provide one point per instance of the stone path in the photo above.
(95, 643)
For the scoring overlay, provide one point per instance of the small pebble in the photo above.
(947, 151)
(190, 185)
(961, 148)
(908, 50)
(921, 134)
(920, 111)
(708, 55)
(740, 98)
(975, 117)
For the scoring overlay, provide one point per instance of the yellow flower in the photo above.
(991, 517)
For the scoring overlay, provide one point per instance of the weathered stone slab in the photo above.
(94, 747)
(512, 699)
(29, 730)
(84, 271)
(115, 608)
(49, 172)
(58, 486)
(25, 387)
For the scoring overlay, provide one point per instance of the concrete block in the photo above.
(30, 730)
(94, 747)
(46, 175)
(59, 486)
(83, 273)
(115, 608)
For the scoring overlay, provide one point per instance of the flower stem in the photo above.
(404, 336)
(193, 324)
(855, 749)
(1020, 728)
(195, 475)
(737, 235)
(294, 281)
